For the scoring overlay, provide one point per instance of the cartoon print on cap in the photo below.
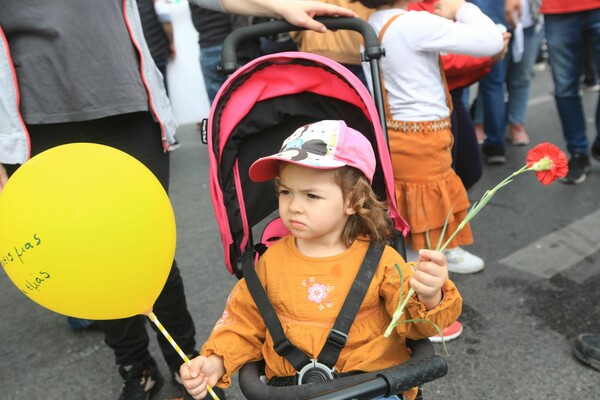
(307, 142)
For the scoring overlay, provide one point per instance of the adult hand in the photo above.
(296, 12)
(512, 8)
(3, 177)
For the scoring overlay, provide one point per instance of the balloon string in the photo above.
(166, 334)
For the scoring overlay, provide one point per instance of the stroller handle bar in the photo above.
(424, 367)
(229, 57)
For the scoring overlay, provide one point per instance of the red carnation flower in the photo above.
(548, 162)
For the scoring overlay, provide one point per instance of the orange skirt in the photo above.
(427, 188)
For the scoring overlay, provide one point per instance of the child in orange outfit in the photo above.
(323, 176)
(418, 114)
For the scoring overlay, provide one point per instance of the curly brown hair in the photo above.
(371, 216)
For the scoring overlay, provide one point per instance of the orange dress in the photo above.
(307, 294)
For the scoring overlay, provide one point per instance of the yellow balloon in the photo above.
(87, 231)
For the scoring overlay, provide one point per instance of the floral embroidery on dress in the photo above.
(318, 292)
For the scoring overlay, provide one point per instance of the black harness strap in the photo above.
(281, 344)
(338, 335)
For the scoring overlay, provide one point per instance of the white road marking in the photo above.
(559, 250)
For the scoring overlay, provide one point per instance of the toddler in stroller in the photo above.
(338, 230)
(255, 110)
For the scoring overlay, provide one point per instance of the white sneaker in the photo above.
(461, 261)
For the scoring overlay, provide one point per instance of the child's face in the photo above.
(312, 206)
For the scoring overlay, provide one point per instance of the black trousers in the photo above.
(466, 155)
(138, 135)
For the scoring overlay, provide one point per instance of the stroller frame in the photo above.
(227, 181)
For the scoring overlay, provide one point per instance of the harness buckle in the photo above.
(315, 372)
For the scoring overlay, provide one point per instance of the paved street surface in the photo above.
(540, 288)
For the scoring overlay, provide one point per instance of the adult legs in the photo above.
(590, 73)
(593, 26)
(138, 135)
(564, 36)
(519, 75)
(210, 59)
(491, 90)
(466, 159)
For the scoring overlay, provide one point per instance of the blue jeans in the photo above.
(491, 109)
(491, 86)
(210, 59)
(519, 75)
(564, 36)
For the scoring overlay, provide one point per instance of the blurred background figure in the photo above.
(567, 23)
(591, 80)
(524, 44)
(492, 124)
(213, 27)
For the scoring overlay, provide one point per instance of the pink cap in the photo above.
(325, 144)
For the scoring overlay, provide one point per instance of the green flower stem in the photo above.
(487, 196)
(398, 313)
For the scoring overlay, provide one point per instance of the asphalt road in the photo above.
(539, 289)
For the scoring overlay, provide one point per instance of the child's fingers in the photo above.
(431, 255)
(199, 392)
(423, 289)
(426, 279)
(184, 372)
(432, 269)
(196, 387)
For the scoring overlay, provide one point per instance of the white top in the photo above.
(412, 43)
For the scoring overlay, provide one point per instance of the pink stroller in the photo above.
(255, 110)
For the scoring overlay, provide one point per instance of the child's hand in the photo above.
(505, 39)
(429, 277)
(201, 372)
(448, 8)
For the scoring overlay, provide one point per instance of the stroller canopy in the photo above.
(256, 109)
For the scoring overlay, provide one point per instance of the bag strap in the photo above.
(338, 336)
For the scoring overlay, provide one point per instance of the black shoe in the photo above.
(596, 150)
(140, 381)
(587, 349)
(494, 154)
(579, 167)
